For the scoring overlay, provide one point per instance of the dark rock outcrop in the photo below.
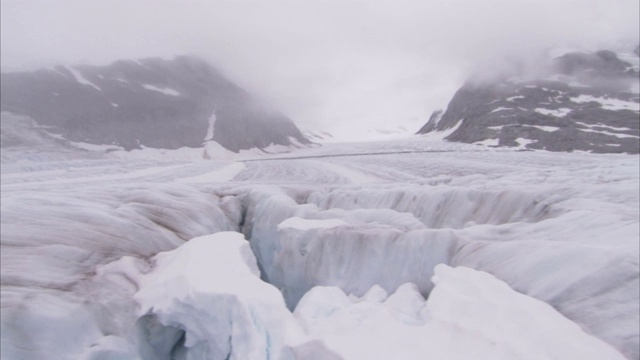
(152, 102)
(590, 102)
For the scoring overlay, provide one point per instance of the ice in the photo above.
(390, 236)
(56, 240)
(235, 316)
(37, 317)
(224, 174)
(354, 177)
(307, 224)
(163, 90)
(83, 236)
(466, 316)
(94, 147)
(608, 103)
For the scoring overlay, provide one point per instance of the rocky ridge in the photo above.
(584, 102)
(152, 102)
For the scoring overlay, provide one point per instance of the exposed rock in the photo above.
(152, 102)
(591, 103)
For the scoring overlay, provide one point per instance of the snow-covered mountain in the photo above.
(152, 103)
(586, 101)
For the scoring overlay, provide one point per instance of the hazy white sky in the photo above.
(330, 62)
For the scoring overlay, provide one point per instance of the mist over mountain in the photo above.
(242, 180)
(151, 102)
(341, 66)
(584, 101)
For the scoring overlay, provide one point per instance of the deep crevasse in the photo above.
(355, 240)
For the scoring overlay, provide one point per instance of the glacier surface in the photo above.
(403, 248)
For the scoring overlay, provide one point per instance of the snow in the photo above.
(500, 109)
(466, 316)
(618, 135)
(439, 117)
(224, 174)
(440, 135)
(600, 125)
(631, 58)
(545, 128)
(210, 150)
(354, 177)
(57, 71)
(523, 142)
(81, 79)
(119, 257)
(212, 121)
(163, 90)
(608, 103)
(307, 224)
(562, 112)
(91, 147)
(490, 142)
(183, 153)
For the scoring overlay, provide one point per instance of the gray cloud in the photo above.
(368, 62)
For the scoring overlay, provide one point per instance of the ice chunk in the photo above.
(210, 289)
(46, 323)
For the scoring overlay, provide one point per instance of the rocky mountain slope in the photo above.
(582, 101)
(152, 102)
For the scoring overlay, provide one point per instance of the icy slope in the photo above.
(55, 241)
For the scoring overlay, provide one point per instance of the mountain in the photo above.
(582, 101)
(152, 102)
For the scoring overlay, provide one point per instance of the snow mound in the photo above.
(469, 314)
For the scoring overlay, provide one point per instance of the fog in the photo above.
(324, 63)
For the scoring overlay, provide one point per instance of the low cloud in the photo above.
(372, 63)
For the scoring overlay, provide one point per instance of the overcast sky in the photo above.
(322, 62)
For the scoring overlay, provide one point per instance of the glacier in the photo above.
(404, 248)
